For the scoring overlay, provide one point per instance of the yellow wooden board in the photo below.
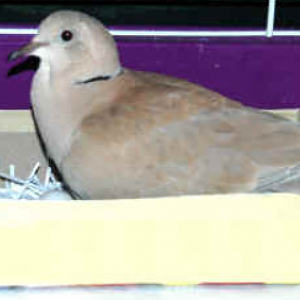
(187, 240)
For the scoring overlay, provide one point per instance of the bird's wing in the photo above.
(174, 141)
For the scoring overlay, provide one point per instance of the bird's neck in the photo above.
(59, 107)
(101, 77)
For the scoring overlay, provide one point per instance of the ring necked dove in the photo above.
(118, 133)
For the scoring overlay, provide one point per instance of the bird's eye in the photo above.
(67, 35)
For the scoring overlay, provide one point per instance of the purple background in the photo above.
(259, 72)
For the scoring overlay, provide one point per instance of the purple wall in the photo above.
(256, 71)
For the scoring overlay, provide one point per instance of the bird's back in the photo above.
(161, 136)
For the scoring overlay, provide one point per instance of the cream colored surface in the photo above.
(16, 121)
(21, 120)
(20, 148)
(291, 114)
(187, 240)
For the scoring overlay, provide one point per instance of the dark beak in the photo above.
(26, 50)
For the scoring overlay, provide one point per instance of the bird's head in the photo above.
(73, 41)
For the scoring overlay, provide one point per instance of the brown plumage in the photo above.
(135, 134)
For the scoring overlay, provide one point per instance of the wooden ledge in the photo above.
(187, 240)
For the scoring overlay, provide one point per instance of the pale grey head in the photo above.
(74, 41)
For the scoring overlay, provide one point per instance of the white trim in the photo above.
(200, 33)
(173, 33)
(18, 31)
(271, 18)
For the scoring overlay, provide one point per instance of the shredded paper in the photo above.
(27, 189)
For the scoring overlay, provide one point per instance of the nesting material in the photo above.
(30, 188)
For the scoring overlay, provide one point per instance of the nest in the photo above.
(31, 188)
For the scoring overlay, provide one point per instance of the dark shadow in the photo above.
(30, 64)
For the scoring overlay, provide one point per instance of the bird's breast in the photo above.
(52, 112)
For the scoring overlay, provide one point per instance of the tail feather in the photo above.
(283, 180)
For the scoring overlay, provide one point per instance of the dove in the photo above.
(114, 132)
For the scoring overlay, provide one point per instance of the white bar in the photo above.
(177, 33)
(271, 18)
(18, 31)
(172, 33)
(217, 33)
